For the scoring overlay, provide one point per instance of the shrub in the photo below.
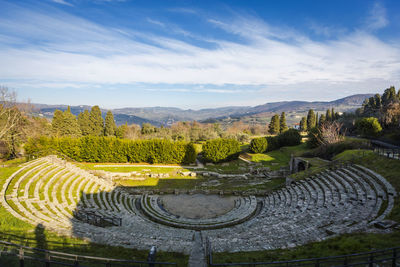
(290, 137)
(313, 136)
(218, 150)
(272, 143)
(111, 149)
(368, 127)
(258, 145)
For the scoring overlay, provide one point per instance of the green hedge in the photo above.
(111, 149)
(290, 137)
(272, 143)
(258, 145)
(221, 149)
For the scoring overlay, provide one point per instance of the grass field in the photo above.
(277, 158)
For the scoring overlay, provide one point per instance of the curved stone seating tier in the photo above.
(49, 190)
(245, 207)
(333, 202)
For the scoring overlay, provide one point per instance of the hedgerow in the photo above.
(221, 149)
(111, 149)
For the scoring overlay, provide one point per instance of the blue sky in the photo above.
(197, 54)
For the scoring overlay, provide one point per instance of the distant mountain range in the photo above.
(168, 115)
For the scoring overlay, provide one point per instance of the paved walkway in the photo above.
(197, 256)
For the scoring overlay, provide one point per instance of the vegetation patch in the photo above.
(345, 244)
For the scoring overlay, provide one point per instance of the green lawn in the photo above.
(277, 158)
(232, 167)
(154, 182)
(345, 244)
(130, 167)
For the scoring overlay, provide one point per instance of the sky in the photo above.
(197, 54)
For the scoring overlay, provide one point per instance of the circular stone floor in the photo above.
(198, 206)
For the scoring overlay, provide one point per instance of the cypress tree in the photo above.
(303, 124)
(121, 131)
(328, 115)
(322, 119)
(57, 123)
(316, 120)
(310, 119)
(96, 122)
(274, 126)
(333, 114)
(110, 127)
(282, 123)
(70, 126)
(84, 122)
(372, 103)
(378, 101)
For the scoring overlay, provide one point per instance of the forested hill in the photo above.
(168, 115)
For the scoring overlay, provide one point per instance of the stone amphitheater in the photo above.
(50, 192)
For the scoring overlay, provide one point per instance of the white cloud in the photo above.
(62, 2)
(70, 50)
(155, 22)
(324, 30)
(377, 18)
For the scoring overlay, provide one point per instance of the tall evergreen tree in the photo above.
(328, 115)
(316, 120)
(274, 126)
(372, 103)
(389, 95)
(96, 122)
(303, 124)
(378, 101)
(57, 123)
(333, 114)
(322, 119)
(310, 119)
(282, 123)
(121, 131)
(84, 122)
(110, 127)
(70, 124)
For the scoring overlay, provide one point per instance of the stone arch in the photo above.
(298, 164)
(301, 166)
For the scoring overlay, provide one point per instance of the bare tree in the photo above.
(329, 133)
(10, 116)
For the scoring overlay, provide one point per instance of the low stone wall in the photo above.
(250, 192)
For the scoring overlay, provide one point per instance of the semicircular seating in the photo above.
(50, 191)
(245, 207)
(333, 202)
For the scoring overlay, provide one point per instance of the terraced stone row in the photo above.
(331, 203)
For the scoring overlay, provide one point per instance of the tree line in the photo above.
(66, 124)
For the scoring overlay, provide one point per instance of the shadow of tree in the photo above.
(40, 237)
(102, 218)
